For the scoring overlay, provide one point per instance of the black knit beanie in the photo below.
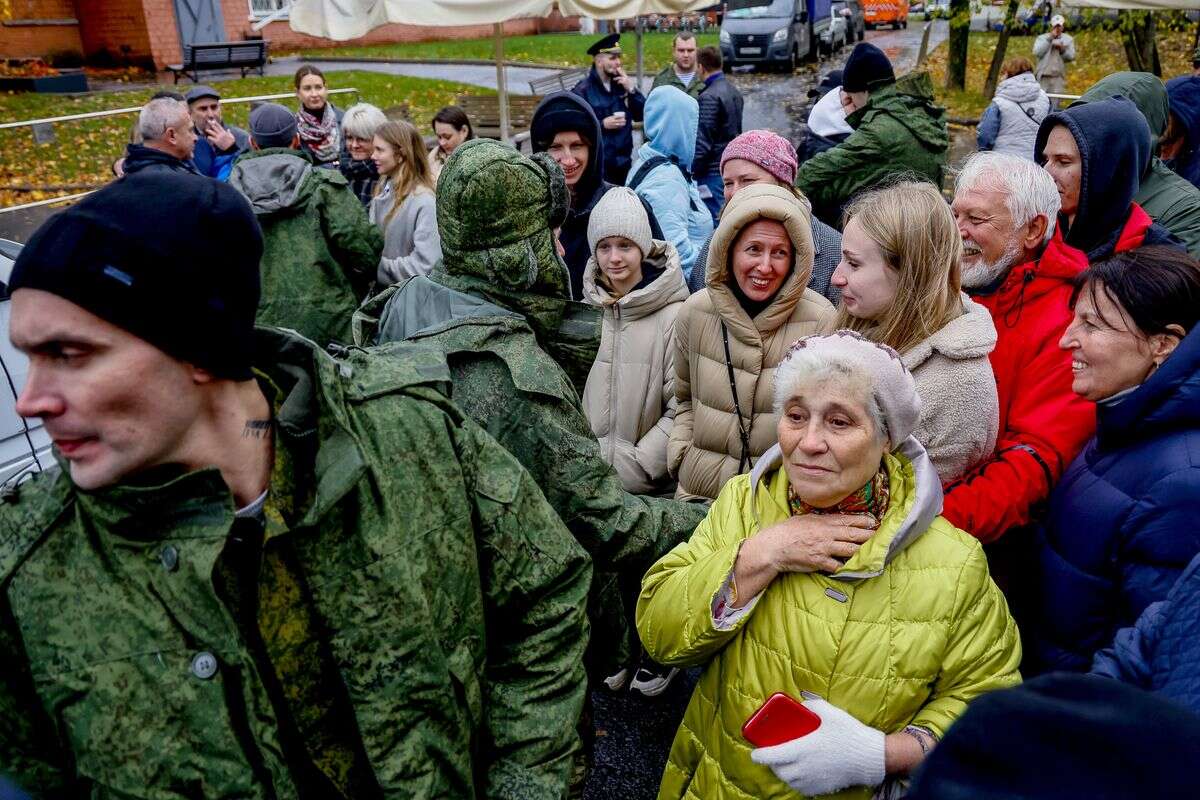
(867, 68)
(172, 258)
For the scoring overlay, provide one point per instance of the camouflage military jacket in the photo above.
(418, 629)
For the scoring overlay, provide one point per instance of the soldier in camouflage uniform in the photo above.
(496, 306)
(262, 572)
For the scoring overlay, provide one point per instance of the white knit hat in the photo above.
(894, 390)
(620, 213)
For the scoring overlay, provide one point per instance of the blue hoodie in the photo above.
(672, 118)
(1115, 148)
(1185, 107)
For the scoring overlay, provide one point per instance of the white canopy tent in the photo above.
(349, 19)
(1143, 5)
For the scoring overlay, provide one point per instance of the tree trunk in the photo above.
(1138, 34)
(960, 30)
(993, 76)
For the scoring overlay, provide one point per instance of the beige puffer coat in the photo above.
(705, 443)
(629, 398)
(960, 413)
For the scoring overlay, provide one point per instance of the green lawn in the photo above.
(558, 49)
(85, 149)
(1098, 53)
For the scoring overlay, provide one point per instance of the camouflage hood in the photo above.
(496, 213)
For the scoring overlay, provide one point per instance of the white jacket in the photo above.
(1023, 105)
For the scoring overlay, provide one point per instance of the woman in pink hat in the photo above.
(763, 157)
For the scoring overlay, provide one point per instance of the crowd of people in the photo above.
(377, 460)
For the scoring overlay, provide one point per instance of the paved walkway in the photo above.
(475, 74)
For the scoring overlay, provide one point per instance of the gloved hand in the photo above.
(842, 752)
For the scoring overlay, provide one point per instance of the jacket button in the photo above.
(169, 557)
(204, 665)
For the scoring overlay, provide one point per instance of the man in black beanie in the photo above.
(261, 571)
(897, 129)
(321, 252)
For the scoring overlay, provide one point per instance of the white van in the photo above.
(24, 444)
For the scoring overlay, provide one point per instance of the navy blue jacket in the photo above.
(618, 144)
(720, 123)
(1184, 94)
(1123, 522)
(1162, 652)
(1115, 148)
(138, 157)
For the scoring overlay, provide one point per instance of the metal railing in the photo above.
(117, 112)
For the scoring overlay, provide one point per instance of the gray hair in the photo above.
(362, 120)
(1029, 189)
(160, 114)
(807, 365)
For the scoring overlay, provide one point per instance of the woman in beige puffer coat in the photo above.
(715, 438)
(629, 398)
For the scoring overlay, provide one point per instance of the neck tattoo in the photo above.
(257, 429)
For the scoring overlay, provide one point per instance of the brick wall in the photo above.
(23, 40)
(115, 27)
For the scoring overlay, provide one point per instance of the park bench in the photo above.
(562, 81)
(484, 111)
(198, 58)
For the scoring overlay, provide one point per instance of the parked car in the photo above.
(856, 22)
(886, 12)
(834, 38)
(937, 9)
(778, 33)
(24, 444)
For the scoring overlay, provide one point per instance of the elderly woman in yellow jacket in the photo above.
(827, 574)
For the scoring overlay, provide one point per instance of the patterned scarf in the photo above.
(871, 499)
(320, 137)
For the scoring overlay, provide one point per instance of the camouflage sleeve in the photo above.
(551, 438)
(536, 579)
(354, 241)
(29, 754)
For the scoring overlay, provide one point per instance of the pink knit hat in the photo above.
(769, 150)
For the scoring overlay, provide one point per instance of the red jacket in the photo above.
(1043, 424)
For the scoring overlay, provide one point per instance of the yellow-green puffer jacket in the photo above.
(908, 631)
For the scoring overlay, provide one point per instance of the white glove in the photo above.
(842, 752)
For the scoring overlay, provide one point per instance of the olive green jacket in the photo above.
(898, 132)
(320, 251)
(411, 620)
(667, 77)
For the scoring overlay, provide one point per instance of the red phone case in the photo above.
(779, 720)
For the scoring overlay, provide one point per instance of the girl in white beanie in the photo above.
(638, 284)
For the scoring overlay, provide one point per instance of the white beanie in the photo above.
(620, 213)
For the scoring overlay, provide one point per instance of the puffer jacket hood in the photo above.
(1114, 148)
(910, 102)
(668, 287)
(672, 119)
(567, 111)
(1168, 400)
(496, 213)
(879, 551)
(1143, 89)
(1020, 89)
(273, 180)
(747, 206)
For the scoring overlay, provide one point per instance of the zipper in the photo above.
(613, 409)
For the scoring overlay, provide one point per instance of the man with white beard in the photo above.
(1006, 208)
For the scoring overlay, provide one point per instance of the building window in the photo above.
(267, 8)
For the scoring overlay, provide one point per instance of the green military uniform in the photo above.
(494, 306)
(320, 252)
(668, 78)
(898, 131)
(1170, 199)
(402, 620)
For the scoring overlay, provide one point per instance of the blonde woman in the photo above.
(403, 206)
(900, 287)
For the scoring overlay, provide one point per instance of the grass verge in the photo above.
(557, 49)
(84, 150)
(1098, 53)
